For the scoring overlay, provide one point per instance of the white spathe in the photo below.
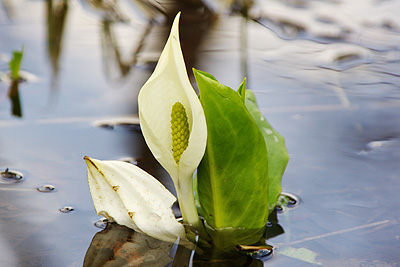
(169, 84)
(124, 193)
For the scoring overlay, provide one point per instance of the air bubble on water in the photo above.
(101, 223)
(287, 201)
(259, 252)
(66, 209)
(46, 188)
(8, 176)
(292, 200)
(262, 254)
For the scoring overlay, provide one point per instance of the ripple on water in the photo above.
(330, 21)
(344, 56)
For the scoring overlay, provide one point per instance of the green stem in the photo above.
(188, 208)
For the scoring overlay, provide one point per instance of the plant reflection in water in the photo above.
(119, 246)
(118, 64)
(56, 12)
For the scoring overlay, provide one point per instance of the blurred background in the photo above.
(326, 75)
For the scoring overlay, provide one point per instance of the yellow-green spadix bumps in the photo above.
(179, 130)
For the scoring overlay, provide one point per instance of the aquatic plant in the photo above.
(239, 159)
(15, 64)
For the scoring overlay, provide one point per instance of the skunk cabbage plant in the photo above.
(239, 159)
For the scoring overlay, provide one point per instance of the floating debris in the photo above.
(10, 176)
(46, 188)
(66, 209)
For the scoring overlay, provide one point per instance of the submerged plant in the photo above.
(239, 159)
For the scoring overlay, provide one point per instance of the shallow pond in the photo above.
(326, 74)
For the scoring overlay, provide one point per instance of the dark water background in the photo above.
(326, 74)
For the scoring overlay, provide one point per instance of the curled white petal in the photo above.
(130, 196)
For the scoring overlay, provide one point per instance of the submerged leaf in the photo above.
(278, 156)
(233, 175)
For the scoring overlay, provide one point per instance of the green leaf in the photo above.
(278, 156)
(233, 175)
(15, 64)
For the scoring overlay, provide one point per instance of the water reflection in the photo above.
(118, 64)
(56, 11)
(120, 246)
(13, 94)
(195, 21)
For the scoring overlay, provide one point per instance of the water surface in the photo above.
(325, 73)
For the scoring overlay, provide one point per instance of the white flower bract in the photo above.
(126, 194)
(169, 84)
